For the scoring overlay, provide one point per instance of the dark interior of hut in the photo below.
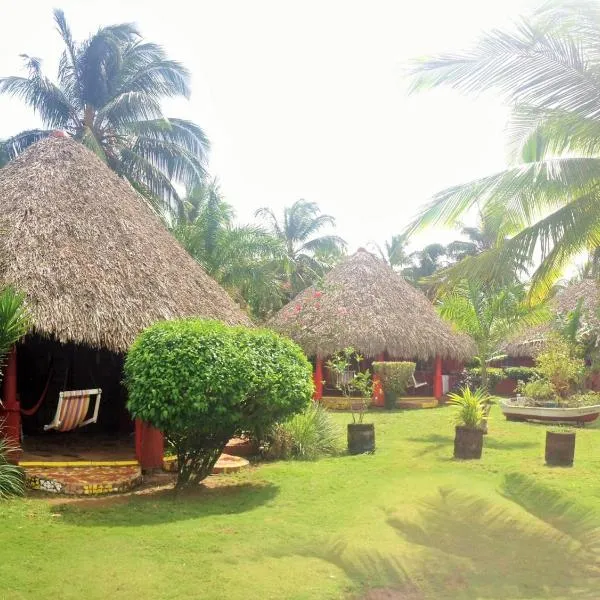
(46, 368)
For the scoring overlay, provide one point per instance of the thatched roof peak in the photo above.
(96, 263)
(365, 304)
(529, 342)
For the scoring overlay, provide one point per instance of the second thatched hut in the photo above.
(363, 303)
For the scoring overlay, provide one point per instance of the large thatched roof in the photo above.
(529, 342)
(363, 303)
(96, 264)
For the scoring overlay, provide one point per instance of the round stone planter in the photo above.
(361, 438)
(560, 448)
(468, 442)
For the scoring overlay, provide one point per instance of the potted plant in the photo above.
(560, 446)
(469, 417)
(395, 377)
(357, 387)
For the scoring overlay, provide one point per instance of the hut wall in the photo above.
(70, 367)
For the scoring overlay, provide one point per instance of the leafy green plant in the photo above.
(395, 378)
(539, 390)
(350, 380)
(307, 435)
(583, 399)
(472, 377)
(202, 382)
(15, 321)
(559, 364)
(469, 407)
(523, 374)
(12, 481)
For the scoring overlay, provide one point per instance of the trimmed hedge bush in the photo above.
(395, 378)
(472, 377)
(524, 374)
(202, 382)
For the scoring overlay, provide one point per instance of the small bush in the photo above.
(471, 378)
(539, 390)
(469, 407)
(201, 383)
(12, 482)
(584, 399)
(559, 365)
(307, 435)
(395, 379)
(523, 374)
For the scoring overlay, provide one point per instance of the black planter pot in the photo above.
(560, 448)
(468, 442)
(389, 399)
(361, 438)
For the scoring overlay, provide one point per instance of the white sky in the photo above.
(305, 98)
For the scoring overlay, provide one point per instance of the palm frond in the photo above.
(13, 146)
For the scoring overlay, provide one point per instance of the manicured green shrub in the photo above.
(472, 377)
(202, 382)
(524, 374)
(12, 482)
(395, 378)
(307, 435)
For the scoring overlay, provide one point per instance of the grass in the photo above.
(408, 518)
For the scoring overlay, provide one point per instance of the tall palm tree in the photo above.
(107, 96)
(245, 259)
(426, 262)
(308, 255)
(546, 69)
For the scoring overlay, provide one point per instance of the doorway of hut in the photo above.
(47, 367)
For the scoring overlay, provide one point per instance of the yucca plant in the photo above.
(469, 407)
(11, 476)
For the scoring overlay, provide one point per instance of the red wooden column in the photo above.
(149, 446)
(437, 377)
(10, 412)
(378, 392)
(318, 378)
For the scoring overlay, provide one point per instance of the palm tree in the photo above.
(394, 252)
(489, 315)
(308, 257)
(546, 69)
(426, 262)
(107, 96)
(245, 259)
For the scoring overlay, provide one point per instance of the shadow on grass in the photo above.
(165, 506)
(539, 544)
(437, 442)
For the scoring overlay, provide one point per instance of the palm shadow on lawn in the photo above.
(436, 442)
(164, 506)
(543, 545)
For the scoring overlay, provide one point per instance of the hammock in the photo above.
(417, 384)
(72, 410)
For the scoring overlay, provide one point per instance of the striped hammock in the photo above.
(73, 408)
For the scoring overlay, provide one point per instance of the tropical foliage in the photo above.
(201, 383)
(489, 315)
(469, 407)
(12, 482)
(308, 255)
(107, 95)
(545, 69)
(15, 321)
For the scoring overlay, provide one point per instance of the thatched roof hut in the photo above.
(97, 265)
(363, 303)
(529, 342)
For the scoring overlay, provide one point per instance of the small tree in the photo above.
(561, 366)
(352, 382)
(202, 382)
(395, 377)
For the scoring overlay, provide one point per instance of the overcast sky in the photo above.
(305, 99)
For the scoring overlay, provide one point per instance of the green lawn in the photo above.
(408, 517)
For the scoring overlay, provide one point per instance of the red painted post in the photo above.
(149, 446)
(10, 411)
(318, 378)
(437, 377)
(378, 391)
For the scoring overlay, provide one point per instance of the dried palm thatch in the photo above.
(363, 303)
(96, 264)
(530, 341)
